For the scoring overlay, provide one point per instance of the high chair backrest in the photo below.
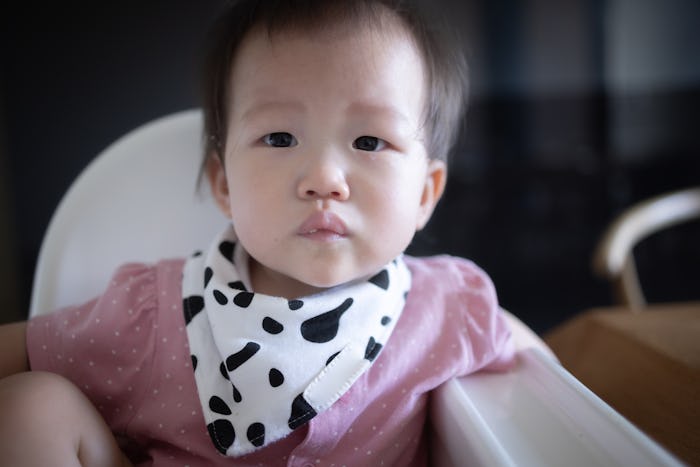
(137, 201)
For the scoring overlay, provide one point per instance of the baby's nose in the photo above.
(324, 180)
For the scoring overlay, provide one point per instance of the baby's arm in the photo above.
(13, 349)
(71, 431)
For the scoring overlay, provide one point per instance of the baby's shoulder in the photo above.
(134, 291)
(449, 289)
(152, 287)
(156, 274)
(453, 302)
(448, 274)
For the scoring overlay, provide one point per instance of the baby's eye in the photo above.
(369, 143)
(280, 139)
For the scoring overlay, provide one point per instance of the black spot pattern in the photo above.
(324, 327)
(226, 248)
(373, 349)
(220, 297)
(237, 285)
(242, 356)
(276, 378)
(236, 394)
(272, 326)
(208, 274)
(381, 279)
(222, 369)
(222, 434)
(196, 253)
(256, 434)
(217, 404)
(302, 412)
(243, 299)
(191, 306)
(330, 359)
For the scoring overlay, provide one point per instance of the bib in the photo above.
(265, 365)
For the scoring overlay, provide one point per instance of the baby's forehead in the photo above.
(373, 41)
(352, 49)
(297, 58)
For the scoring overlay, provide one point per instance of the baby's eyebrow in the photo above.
(267, 106)
(381, 111)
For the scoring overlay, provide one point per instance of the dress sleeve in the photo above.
(485, 334)
(105, 346)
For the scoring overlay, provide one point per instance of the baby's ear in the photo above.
(216, 174)
(433, 188)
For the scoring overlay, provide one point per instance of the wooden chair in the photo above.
(614, 259)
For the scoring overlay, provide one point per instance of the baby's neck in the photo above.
(264, 280)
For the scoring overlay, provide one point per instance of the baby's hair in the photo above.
(444, 62)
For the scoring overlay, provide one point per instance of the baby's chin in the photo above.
(306, 280)
(295, 285)
(331, 281)
(314, 285)
(304, 285)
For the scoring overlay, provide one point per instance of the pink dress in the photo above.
(128, 351)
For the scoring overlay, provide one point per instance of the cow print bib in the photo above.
(266, 365)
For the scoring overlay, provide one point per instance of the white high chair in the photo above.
(137, 201)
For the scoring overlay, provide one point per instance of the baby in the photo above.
(302, 335)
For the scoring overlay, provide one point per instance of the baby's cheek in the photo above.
(392, 233)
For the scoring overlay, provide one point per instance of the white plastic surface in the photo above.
(536, 415)
(136, 201)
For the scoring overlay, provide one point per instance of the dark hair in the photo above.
(445, 64)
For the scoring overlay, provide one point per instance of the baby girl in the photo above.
(302, 334)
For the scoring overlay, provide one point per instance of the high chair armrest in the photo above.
(536, 414)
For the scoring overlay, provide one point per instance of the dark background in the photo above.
(579, 108)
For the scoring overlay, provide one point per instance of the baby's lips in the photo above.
(323, 221)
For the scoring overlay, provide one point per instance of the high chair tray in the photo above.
(537, 414)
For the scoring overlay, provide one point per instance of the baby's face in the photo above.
(326, 175)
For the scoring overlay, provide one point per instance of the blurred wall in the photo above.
(651, 63)
(74, 77)
(9, 270)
